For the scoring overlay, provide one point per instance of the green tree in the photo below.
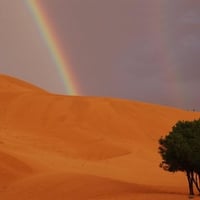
(180, 151)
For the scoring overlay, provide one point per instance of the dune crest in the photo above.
(11, 84)
(55, 146)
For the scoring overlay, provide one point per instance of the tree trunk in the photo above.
(196, 181)
(190, 178)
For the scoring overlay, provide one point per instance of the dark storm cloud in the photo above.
(109, 41)
(137, 49)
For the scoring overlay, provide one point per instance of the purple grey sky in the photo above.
(146, 50)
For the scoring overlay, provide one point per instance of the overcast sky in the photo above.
(146, 50)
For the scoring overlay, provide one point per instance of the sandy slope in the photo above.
(62, 147)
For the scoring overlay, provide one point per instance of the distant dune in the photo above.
(70, 147)
(11, 84)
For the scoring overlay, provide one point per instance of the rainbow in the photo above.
(54, 47)
(170, 65)
(170, 71)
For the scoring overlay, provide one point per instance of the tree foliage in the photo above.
(180, 151)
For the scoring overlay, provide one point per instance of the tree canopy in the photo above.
(180, 151)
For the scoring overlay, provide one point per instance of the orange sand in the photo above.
(62, 147)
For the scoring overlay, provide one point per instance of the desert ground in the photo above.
(78, 148)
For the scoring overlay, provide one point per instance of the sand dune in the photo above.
(11, 84)
(64, 147)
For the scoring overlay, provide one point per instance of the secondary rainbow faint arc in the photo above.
(52, 43)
